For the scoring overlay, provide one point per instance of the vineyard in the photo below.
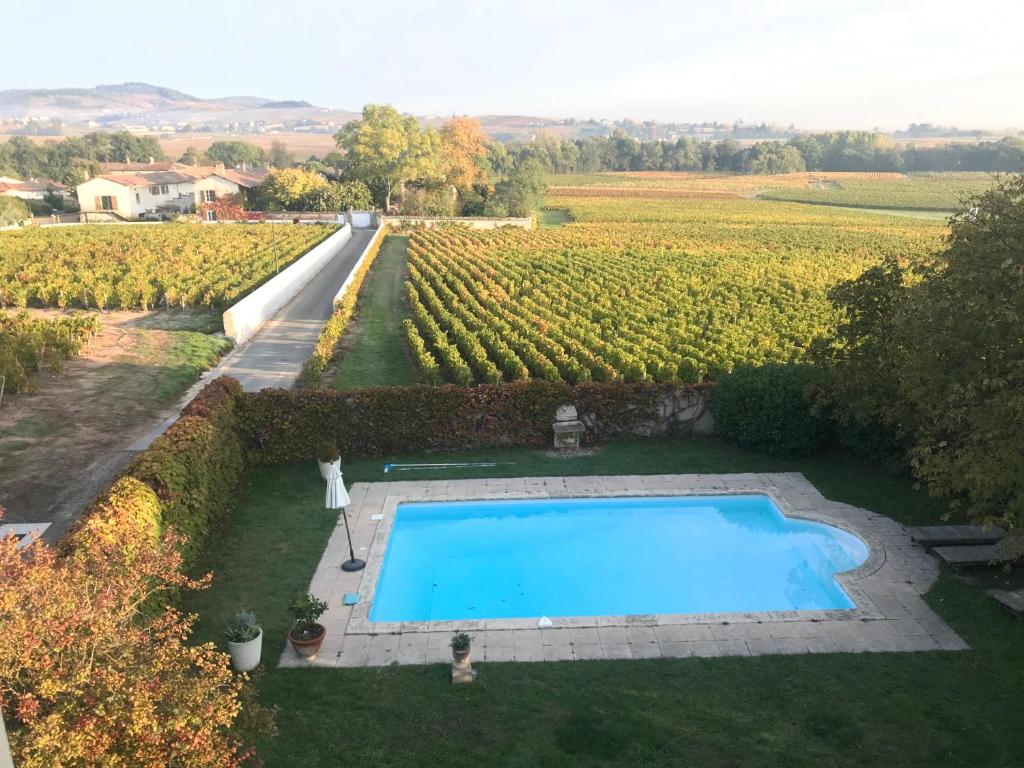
(653, 289)
(145, 266)
(921, 191)
(28, 344)
(924, 191)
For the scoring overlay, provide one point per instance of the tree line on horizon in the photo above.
(459, 170)
(833, 151)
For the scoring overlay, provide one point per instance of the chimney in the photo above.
(219, 167)
(243, 166)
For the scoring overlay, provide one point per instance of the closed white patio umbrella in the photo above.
(337, 498)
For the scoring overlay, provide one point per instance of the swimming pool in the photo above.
(608, 557)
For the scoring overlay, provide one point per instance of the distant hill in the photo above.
(143, 104)
(146, 107)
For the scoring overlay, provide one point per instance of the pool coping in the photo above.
(883, 597)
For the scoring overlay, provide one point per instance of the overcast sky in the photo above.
(815, 63)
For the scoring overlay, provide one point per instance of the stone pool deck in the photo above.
(890, 614)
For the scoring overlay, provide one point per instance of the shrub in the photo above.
(242, 628)
(12, 211)
(328, 452)
(195, 466)
(305, 610)
(84, 678)
(282, 426)
(767, 409)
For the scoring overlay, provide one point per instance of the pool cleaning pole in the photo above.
(351, 564)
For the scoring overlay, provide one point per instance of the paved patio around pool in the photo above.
(890, 614)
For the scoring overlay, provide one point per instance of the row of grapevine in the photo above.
(334, 329)
(643, 290)
(427, 364)
(145, 266)
(29, 344)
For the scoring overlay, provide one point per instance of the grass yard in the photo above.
(891, 709)
(373, 351)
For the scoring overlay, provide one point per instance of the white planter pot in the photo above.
(324, 465)
(245, 657)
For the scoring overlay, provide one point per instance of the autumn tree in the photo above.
(463, 152)
(296, 189)
(386, 149)
(288, 189)
(89, 678)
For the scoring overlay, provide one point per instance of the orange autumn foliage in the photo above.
(463, 145)
(86, 678)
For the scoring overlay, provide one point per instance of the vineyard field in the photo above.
(145, 266)
(924, 191)
(928, 191)
(640, 289)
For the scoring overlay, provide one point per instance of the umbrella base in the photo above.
(353, 565)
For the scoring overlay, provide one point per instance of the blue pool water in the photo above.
(608, 557)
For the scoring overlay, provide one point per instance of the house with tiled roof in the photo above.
(148, 190)
(33, 189)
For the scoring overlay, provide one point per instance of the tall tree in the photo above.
(386, 149)
(464, 152)
(233, 153)
(279, 155)
(192, 156)
(941, 358)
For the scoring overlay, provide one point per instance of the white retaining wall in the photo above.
(243, 319)
(359, 262)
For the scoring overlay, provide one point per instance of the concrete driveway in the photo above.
(274, 356)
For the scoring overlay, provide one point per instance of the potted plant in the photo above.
(326, 455)
(245, 641)
(306, 636)
(460, 647)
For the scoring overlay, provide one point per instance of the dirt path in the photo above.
(62, 445)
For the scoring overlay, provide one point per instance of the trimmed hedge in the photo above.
(124, 517)
(281, 426)
(184, 481)
(767, 409)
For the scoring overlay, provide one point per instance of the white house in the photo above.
(136, 190)
(236, 185)
(33, 189)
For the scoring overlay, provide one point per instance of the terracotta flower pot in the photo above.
(461, 656)
(307, 648)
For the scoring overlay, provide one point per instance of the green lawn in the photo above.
(893, 709)
(373, 350)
